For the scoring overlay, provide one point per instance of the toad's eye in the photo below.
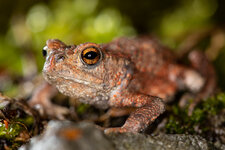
(91, 55)
(44, 51)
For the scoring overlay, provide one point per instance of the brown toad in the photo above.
(127, 72)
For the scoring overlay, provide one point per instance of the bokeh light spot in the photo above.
(37, 18)
(85, 6)
(107, 21)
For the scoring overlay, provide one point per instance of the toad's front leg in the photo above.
(149, 108)
(41, 101)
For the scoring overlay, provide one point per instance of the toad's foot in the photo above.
(148, 109)
(51, 110)
(117, 130)
(40, 100)
(116, 112)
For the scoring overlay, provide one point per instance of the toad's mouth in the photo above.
(87, 83)
(60, 80)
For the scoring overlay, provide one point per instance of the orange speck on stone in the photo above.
(70, 133)
(119, 82)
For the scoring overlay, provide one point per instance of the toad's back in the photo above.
(146, 53)
(152, 63)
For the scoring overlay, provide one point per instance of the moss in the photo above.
(11, 131)
(16, 125)
(28, 120)
(180, 122)
(82, 108)
(16, 132)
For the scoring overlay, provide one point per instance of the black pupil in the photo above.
(44, 52)
(90, 55)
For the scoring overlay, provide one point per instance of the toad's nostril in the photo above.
(59, 58)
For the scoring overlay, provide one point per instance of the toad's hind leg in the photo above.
(200, 79)
(200, 63)
(148, 109)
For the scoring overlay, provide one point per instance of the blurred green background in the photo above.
(27, 24)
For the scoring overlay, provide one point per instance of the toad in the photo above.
(127, 72)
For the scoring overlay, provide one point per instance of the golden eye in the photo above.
(91, 55)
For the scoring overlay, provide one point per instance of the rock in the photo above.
(65, 135)
(132, 141)
(85, 136)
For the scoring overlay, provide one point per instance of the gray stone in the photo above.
(65, 135)
(129, 141)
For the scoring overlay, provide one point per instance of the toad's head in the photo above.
(84, 70)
